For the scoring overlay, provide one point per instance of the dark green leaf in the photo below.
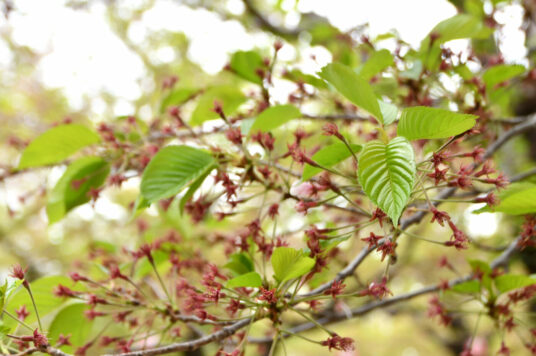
(422, 122)
(329, 156)
(353, 87)
(72, 189)
(56, 145)
(171, 169)
(386, 173)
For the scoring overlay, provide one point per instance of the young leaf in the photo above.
(377, 63)
(56, 145)
(73, 187)
(329, 156)
(517, 199)
(250, 279)
(389, 112)
(353, 87)
(229, 96)
(240, 263)
(508, 282)
(273, 117)
(177, 97)
(386, 173)
(422, 122)
(245, 65)
(457, 27)
(296, 75)
(501, 73)
(472, 286)
(289, 263)
(171, 169)
(71, 320)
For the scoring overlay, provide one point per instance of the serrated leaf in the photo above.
(421, 122)
(240, 263)
(71, 321)
(72, 189)
(229, 96)
(353, 87)
(192, 189)
(177, 97)
(171, 169)
(501, 73)
(289, 263)
(472, 286)
(245, 65)
(517, 199)
(389, 112)
(508, 282)
(386, 173)
(273, 117)
(56, 145)
(329, 156)
(377, 63)
(250, 279)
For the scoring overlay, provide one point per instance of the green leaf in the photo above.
(43, 292)
(229, 96)
(329, 156)
(501, 73)
(3, 294)
(377, 63)
(171, 169)
(353, 87)
(458, 27)
(508, 282)
(240, 263)
(482, 267)
(245, 64)
(389, 112)
(250, 279)
(386, 173)
(298, 76)
(177, 97)
(422, 122)
(56, 145)
(71, 321)
(414, 72)
(289, 263)
(73, 187)
(273, 117)
(192, 189)
(472, 286)
(517, 199)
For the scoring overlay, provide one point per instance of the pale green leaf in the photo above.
(177, 97)
(389, 112)
(273, 117)
(289, 263)
(250, 279)
(386, 173)
(245, 64)
(508, 282)
(171, 169)
(71, 321)
(458, 27)
(353, 87)
(240, 263)
(73, 187)
(192, 189)
(517, 199)
(501, 73)
(56, 145)
(377, 63)
(230, 97)
(329, 156)
(422, 122)
(472, 286)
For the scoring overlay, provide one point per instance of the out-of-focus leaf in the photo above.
(250, 279)
(177, 97)
(508, 282)
(71, 321)
(229, 96)
(273, 117)
(245, 65)
(329, 156)
(56, 145)
(517, 199)
(377, 63)
(472, 286)
(501, 73)
(240, 263)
